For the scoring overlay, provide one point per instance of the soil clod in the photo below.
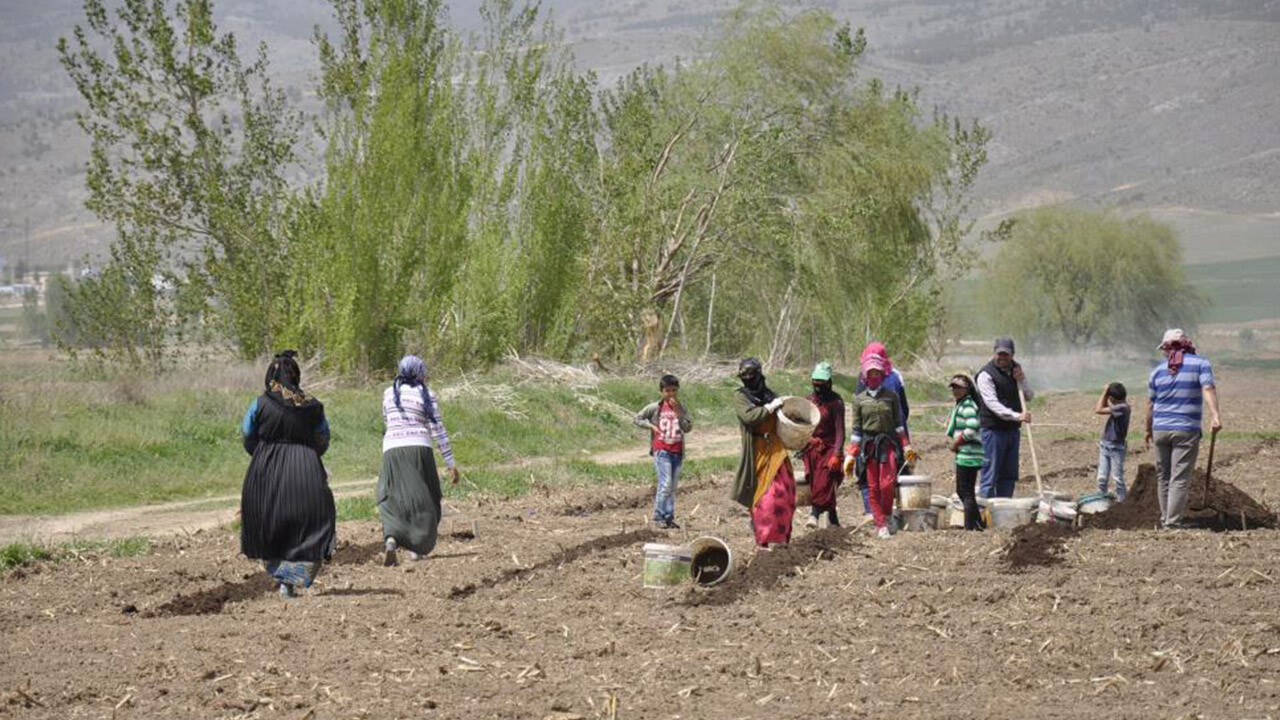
(1037, 545)
(213, 600)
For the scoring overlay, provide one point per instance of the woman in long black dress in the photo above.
(288, 519)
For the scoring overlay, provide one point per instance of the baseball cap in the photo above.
(821, 371)
(1172, 335)
(1004, 345)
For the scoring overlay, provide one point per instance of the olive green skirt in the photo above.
(409, 498)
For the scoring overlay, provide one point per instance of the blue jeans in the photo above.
(1111, 465)
(999, 462)
(664, 502)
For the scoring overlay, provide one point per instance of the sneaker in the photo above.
(390, 559)
(286, 591)
(671, 525)
(812, 521)
(414, 556)
(883, 533)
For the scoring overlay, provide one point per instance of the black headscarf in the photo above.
(752, 377)
(284, 379)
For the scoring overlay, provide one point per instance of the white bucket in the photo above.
(915, 492)
(1095, 503)
(1060, 511)
(955, 512)
(711, 560)
(1009, 513)
(939, 502)
(665, 565)
(797, 419)
(916, 520)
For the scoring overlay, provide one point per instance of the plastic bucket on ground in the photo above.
(939, 502)
(914, 492)
(919, 520)
(797, 419)
(955, 511)
(1095, 503)
(665, 565)
(804, 490)
(1059, 511)
(711, 560)
(1009, 513)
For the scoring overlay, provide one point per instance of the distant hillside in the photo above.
(1167, 105)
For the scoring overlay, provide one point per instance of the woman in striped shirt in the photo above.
(964, 432)
(408, 485)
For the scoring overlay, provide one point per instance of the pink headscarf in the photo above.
(873, 362)
(875, 350)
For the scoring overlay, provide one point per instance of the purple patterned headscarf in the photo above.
(412, 371)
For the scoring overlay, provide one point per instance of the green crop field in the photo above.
(1240, 290)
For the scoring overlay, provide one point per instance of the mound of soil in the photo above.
(1216, 506)
(1037, 545)
(211, 601)
(767, 568)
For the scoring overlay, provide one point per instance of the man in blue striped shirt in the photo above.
(1177, 392)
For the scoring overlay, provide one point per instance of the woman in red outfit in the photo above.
(822, 455)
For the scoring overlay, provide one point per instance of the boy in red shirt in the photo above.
(667, 423)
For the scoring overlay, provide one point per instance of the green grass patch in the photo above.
(22, 554)
(357, 507)
(72, 442)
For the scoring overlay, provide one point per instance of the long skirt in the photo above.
(409, 497)
(287, 513)
(772, 514)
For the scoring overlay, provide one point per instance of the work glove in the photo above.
(773, 405)
(814, 443)
(833, 463)
(849, 461)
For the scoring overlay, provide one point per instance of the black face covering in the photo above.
(757, 392)
(823, 391)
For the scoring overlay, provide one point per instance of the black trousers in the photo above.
(966, 485)
(832, 518)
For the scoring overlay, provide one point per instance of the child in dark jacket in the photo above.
(1112, 446)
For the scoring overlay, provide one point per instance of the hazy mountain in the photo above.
(1166, 105)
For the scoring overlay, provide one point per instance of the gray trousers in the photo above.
(1176, 453)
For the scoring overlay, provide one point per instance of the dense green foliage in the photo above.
(1072, 276)
(482, 196)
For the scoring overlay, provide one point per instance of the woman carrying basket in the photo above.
(764, 484)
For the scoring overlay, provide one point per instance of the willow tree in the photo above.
(189, 149)
(1079, 277)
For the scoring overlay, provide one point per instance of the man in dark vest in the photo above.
(1001, 416)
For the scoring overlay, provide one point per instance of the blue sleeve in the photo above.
(249, 427)
(322, 435)
(1206, 375)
